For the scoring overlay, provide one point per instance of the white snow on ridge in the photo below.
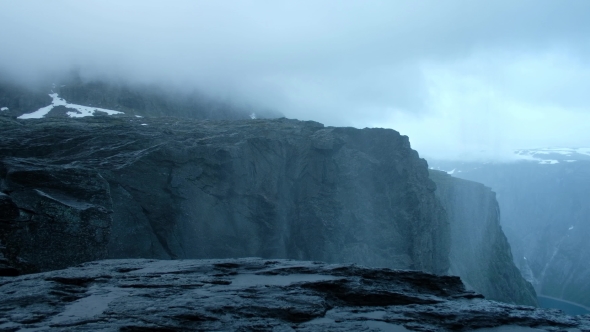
(82, 110)
(38, 114)
(548, 162)
(88, 111)
(451, 172)
(556, 154)
(4, 109)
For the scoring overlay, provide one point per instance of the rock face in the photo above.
(124, 187)
(255, 295)
(480, 252)
(546, 217)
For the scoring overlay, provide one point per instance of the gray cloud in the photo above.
(400, 64)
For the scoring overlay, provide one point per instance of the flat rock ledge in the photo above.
(252, 294)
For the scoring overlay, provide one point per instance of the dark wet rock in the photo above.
(121, 187)
(63, 218)
(8, 210)
(254, 295)
(6, 268)
(480, 252)
(19, 99)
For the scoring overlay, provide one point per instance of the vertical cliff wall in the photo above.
(170, 188)
(283, 189)
(546, 217)
(480, 252)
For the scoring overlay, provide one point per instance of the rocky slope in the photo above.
(121, 187)
(480, 252)
(545, 206)
(256, 295)
(133, 100)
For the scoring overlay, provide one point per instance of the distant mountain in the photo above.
(544, 201)
(76, 98)
(553, 155)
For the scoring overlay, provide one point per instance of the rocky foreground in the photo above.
(253, 294)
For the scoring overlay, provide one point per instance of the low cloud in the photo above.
(463, 79)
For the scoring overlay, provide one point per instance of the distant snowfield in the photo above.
(79, 110)
(4, 109)
(542, 156)
(549, 161)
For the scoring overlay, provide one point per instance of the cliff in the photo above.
(545, 215)
(120, 187)
(256, 295)
(480, 252)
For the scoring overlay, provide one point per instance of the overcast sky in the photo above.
(463, 79)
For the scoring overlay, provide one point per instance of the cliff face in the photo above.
(114, 187)
(545, 214)
(480, 252)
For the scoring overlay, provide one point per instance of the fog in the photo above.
(463, 79)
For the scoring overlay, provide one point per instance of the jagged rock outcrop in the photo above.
(480, 252)
(545, 214)
(256, 295)
(120, 187)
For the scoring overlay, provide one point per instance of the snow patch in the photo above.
(139, 116)
(88, 111)
(548, 162)
(571, 227)
(144, 124)
(4, 109)
(81, 110)
(541, 155)
(451, 172)
(253, 116)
